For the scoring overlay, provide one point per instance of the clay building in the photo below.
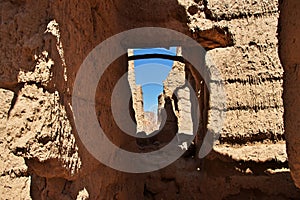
(49, 146)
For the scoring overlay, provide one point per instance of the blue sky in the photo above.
(150, 73)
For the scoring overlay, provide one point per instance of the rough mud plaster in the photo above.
(289, 48)
(176, 89)
(250, 39)
(15, 181)
(137, 95)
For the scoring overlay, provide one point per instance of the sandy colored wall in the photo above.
(43, 44)
(289, 32)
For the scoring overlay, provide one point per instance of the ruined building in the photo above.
(252, 45)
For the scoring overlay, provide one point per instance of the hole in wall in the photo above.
(160, 94)
(148, 68)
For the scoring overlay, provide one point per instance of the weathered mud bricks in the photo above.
(43, 44)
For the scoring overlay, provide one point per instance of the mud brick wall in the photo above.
(43, 44)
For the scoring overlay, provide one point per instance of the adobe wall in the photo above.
(43, 44)
(289, 48)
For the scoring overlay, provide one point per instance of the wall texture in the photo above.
(43, 44)
(289, 32)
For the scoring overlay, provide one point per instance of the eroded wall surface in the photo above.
(289, 32)
(43, 44)
(137, 96)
